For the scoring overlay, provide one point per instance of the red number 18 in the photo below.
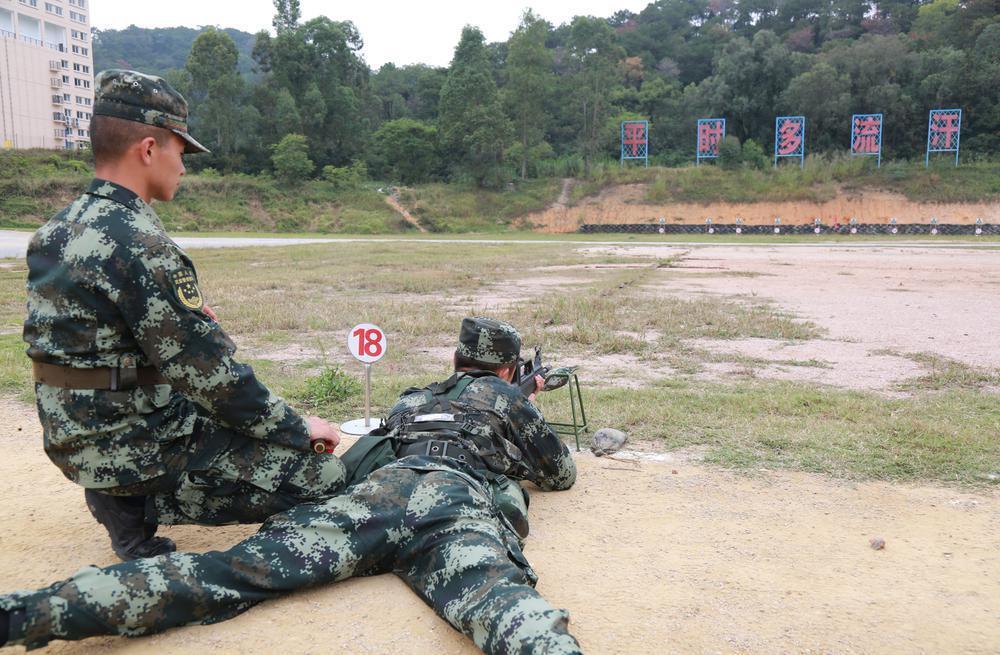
(369, 342)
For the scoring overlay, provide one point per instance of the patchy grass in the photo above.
(946, 374)
(948, 437)
(418, 292)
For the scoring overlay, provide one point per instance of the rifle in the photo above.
(527, 369)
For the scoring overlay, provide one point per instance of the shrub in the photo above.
(291, 159)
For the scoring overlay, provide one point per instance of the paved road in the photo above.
(15, 244)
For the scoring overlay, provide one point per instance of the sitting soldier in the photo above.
(432, 515)
(139, 396)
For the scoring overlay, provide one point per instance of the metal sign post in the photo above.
(711, 132)
(944, 131)
(635, 141)
(866, 136)
(790, 138)
(367, 344)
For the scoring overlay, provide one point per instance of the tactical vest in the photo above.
(443, 417)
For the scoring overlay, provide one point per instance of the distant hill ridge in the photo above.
(159, 49)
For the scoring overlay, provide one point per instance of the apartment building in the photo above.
(46, 74)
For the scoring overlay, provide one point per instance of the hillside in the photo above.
(42, 182)
(158, 50)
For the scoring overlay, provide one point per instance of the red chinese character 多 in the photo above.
(790, 137)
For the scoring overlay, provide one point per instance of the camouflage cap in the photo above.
(489, 341)
(142, 98)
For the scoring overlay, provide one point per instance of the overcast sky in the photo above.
(400, 31)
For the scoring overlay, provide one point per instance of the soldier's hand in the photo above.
(322, 433)
(539, 383)
(207, 311)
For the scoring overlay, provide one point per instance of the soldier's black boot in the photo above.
(11, 622)
(124, 518)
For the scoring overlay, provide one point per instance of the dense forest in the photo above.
(550, 99)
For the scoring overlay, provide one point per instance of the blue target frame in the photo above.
(790, 138)
(635, 141)
(942, 125)
(711, 132)
(866, 136)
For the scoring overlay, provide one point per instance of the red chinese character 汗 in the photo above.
(944, 130)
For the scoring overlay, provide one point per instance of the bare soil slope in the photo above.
(626, 204)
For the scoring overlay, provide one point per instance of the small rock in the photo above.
(673, 471)
(607, 441)
(877, 543)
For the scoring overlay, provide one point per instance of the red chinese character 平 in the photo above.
(635, 136)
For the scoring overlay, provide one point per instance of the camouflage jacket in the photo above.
(524, 446)
(107, 287)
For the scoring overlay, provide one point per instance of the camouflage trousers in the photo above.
(219, 477)
(438, 529)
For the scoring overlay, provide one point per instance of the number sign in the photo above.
(366, 342)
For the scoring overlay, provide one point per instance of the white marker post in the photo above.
(367, 343)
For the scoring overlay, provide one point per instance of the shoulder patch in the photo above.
(186, 289)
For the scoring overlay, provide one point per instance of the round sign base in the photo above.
(357, 427)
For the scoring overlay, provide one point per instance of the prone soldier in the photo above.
(440, 511)
(139, 396)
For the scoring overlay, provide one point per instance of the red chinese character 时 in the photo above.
(635, 136)
(789, 137)
(943, 128)
(866, 133)
(709, 135)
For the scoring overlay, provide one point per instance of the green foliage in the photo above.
(346, 177)
(291, 160)
(406, 150)
(473, 129)
(529, 80)
(730, 153)
(329, 390)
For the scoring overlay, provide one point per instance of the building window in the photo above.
(30, 3)
(53, 9)
(65, 79)
(84, 51)
(79, 18)
(65, 64)
(67, 97)
(76, 67)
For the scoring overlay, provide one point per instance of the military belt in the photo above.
(437, 448)
(111, 379)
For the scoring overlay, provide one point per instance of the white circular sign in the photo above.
(816, 230)
(739, 230)
(366, 342)
(934, 230)
(895, 230)
(711, 230)
(979, 231)
(854, 230)
(777, 230)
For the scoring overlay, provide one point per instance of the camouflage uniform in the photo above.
(436, 522)
(108, 289)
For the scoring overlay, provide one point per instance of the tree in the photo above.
(473, 128)
(824, 97)
(291, 160)
(595, 55)
(216, 95)
(529, 79)
(406, 149)
(287, 15)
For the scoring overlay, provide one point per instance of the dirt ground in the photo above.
(656, 552)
